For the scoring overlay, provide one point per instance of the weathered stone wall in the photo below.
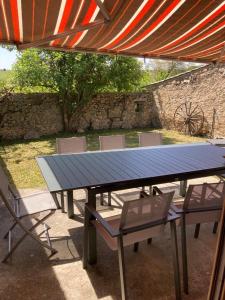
(114, 110)
(29, 116)
(204, 87)
(34, 115)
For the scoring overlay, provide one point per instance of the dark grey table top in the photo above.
(153, 164)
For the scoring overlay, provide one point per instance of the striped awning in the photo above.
(189, 30)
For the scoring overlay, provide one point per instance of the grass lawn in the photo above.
(5, 75)
(19, 156)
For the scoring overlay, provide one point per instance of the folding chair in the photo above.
(110, 142)
(70, 145)
(140, 219)
(202, 204)
(20, 208)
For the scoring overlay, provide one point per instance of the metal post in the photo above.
(122, 267)
(175, 259)
(91, 231)
(184, 254)
(70, 209)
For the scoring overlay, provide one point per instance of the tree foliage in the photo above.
(75, 77)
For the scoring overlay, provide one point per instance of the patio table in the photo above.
(104, 171)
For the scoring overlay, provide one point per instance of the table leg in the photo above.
(183, 188)
(90, 230)
(70, 209)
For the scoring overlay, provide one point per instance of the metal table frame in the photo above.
(92, 191)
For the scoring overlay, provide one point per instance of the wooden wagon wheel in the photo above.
(189, 118)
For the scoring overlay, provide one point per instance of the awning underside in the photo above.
(191, 30)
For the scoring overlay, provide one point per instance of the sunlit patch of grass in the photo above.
(19, 156)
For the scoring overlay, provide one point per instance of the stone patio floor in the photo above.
(31, 275)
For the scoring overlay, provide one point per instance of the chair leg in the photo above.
(102, 199)
(149, 241)
(150, 190)
(136, 247)
(142, 188)
(109, 198)
(197, 229)
(85, 245)
(10, 229)
(184, 254)
(215, 226)
(122, 268)
(46, 228)
(183, 188)
(62, 202)
(175, 259)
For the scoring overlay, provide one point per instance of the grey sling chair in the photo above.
(111, 142)
(148, 139)
(29, 206)
(140, 219)
(202, 204)
(70, 145)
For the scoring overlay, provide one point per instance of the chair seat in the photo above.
(36, 203)
(128, 239)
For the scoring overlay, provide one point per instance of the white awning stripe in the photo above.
(156, 27)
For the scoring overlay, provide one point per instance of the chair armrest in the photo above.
(113, 232)
(176, 209)
(157, 190)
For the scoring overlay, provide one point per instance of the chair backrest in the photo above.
(150, 139)
(71, 145)
(4, 183)
(6, 193)
(111, 142)
(149, 211)
(205, 196)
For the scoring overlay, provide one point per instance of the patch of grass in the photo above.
(19, 156)
(5, 75)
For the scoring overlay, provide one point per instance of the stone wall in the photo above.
(203, 89)
(33, 115)
(29, 116)
(114, 110)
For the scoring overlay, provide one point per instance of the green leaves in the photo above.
(76, 77)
